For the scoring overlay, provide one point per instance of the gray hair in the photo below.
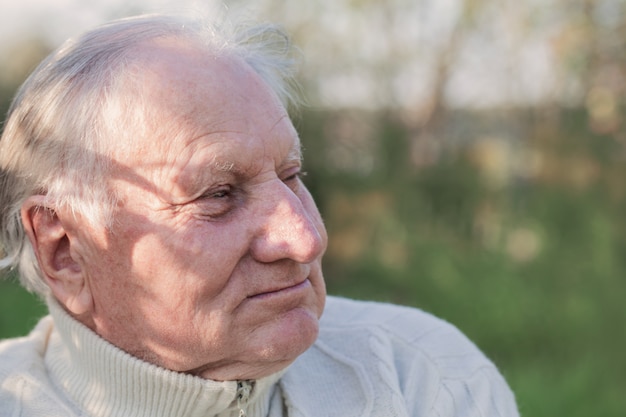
(60, 131)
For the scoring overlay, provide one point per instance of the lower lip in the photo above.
(292, 291)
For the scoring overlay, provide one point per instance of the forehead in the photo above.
(203, 107)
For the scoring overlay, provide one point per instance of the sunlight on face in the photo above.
(213, 265)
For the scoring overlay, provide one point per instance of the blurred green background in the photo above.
(493, 196)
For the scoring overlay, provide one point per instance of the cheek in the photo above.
(160, 265)
(165, 279)
(190, 257)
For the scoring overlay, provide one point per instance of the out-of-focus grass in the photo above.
(19, 309)
(525, 254)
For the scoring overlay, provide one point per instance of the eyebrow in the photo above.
(195, 182)
(294, 154)
(223, 166)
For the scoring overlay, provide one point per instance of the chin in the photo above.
(269, 348)
(289, 336)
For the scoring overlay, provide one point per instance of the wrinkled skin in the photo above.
(213, 263)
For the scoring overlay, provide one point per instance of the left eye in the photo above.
(217, 202)
(294, 176)
(219, 194)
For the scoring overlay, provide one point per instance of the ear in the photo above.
(49, 238)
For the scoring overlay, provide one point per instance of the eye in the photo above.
(293, 176)
(223, 193)
(216, 202)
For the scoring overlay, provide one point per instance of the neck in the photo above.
(104, 380)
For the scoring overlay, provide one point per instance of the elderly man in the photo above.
(150, 193)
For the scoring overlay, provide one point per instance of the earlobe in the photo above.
(52, 246)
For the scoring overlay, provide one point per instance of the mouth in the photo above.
(283, 291)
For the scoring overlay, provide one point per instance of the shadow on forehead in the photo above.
(57, 130)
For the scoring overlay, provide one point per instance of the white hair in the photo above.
(66, 118)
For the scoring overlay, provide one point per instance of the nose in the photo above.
(289, 227)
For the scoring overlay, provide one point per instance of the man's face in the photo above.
(213, 263)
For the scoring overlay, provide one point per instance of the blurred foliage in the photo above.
(518, 241)
(19, 310)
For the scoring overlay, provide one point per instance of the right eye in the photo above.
(216, 202)
(218, 194)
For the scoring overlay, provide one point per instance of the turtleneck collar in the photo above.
(103, 380)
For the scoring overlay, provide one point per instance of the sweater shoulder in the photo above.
(410, 326)
(341, 311)
(407, 333)
(25, 353)
(432, 364)
(23, 376)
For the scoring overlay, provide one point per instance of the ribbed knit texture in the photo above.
(105, 381)
(370, 359)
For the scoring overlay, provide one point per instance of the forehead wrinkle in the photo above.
(228, 166)
(217, 162)
(227, 163)
(295, 152)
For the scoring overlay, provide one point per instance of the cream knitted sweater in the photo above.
(370, 360)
